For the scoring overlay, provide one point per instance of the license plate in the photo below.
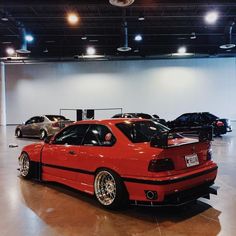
(191, 160)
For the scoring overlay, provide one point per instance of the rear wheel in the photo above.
(43, 134)
(25, 166)
(18, 133)
(110, 190)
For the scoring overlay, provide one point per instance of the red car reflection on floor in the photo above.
(124, 160)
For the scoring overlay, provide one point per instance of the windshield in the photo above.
(144, 116)
(141, 131)
(55, 117)
(210, 116)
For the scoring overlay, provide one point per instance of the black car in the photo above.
(200, 119)
(140, 116)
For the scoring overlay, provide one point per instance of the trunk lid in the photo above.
(186, 153)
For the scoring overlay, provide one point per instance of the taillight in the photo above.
(219, 123)
(55, 125)
(209, 154)
(158, 165)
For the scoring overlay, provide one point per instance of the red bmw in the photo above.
(124, 160)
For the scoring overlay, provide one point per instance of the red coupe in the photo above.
(124, 160)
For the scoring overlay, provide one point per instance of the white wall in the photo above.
(166, 87)
(2, 95)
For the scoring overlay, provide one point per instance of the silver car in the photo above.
(41, 126)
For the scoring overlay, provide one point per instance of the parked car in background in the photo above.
(41, 126)
(124, 160)
(140, 116)
(198, 119)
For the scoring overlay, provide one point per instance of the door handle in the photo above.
(71, 152)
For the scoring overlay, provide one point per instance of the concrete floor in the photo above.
(31, 208)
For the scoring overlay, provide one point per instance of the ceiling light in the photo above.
(45, 50)
(29, 38)
(211, 17)
(182, 50)
(227, 46)
(91, 51)
(124, 49)
(84, 38)
(10, 51)
(23, 51)
(141, 18)
(89, 56)
(138, 37)
(121, 3)
(72, 18)
(193, 36)
(4, 19)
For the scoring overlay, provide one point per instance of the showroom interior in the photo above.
(163, 58)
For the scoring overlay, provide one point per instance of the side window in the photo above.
(30, 121)
(99, 135)
(194, 118)
(73, 135)
(40, 119)
(183, 118)
(37, 119)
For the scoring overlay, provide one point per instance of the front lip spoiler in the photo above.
(169, 181)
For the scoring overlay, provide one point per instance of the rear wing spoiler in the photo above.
(202, 134)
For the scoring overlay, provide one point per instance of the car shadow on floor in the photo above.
(57, 204)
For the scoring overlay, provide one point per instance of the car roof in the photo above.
(109, 121)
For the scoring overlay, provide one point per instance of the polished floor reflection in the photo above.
(31, 208)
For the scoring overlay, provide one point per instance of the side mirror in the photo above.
(48, 139)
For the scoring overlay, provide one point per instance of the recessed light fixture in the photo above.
(10, 51)
(141, 17)
(121, 3)
(182, 50)
(193, 36)
(91, 51)
(93, 40)
(84, 38)
(29, 38)
(211, 17)
(138, 37)
(228, 46)
(72, 18)
(4, 19)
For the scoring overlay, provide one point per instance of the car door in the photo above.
(62, 157)
(98, 148)
(38, 125)
(26, 129)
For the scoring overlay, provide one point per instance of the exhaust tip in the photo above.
(151, 195)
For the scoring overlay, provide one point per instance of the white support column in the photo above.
(2, 95)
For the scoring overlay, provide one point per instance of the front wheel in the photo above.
(25, 166)
(18, 133)
(43, 134)
(110, 190)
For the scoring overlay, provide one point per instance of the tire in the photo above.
(25, 166)
(43, 134)
(19, 133)
(110, 190)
